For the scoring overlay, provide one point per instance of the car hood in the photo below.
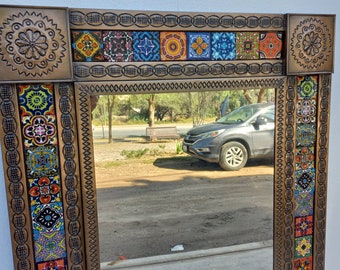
(207, 128)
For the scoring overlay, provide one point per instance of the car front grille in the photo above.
(190, 138)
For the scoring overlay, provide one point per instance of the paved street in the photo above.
(151, 208)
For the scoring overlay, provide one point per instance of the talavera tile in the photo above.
(117, 46)
(199, 45)
(270, 45)
(173, 46)
(146, 46)
(87, 46)
(223, 45)
(247, 45)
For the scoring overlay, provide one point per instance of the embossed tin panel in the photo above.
(310, 44)
(34, 44)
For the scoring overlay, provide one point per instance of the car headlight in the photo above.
(212, 134)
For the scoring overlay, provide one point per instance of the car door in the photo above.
(263, 133)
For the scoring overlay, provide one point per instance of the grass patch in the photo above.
(110, 164)
(129, 154)
(134, 153)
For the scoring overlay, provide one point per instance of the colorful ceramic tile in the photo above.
(44, 190)
(304, 203)
(305, 135)
(270, 45)
(117, 46)
(36, 99)
(303, 226)
(199, 45)
(303, 263)
(146, 46)
(87, 46)
(247, 45)
(41, 161)
(47, 217)
(39, 130)
(223, 46)
(173, 46)
(306, 111)
(49, 246)
(305, 181)
(307, 87)
(303, 247)
(304, 158)
(52, 265)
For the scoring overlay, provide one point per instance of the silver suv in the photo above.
(245, 133)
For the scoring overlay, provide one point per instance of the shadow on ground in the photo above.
(191, 163)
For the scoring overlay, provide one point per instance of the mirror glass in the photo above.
(166, 189)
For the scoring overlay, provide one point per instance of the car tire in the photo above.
(233, 156)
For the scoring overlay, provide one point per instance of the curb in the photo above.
(169, 258)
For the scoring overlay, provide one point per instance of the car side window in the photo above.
(269, 115)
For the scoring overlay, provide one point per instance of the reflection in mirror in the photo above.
(166, 192)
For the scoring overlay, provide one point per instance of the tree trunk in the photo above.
(247, 96)
(152, 106)
(261, 96)
(110, 105)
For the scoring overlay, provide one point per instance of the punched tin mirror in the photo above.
(54, 59)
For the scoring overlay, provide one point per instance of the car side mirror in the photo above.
(261, 120)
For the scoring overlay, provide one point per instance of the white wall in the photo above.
(245, 6)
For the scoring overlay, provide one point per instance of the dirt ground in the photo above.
(153, 205)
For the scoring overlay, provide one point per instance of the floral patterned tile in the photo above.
(223, 46)
(36, 99)
(303, 263)
(49, 246)
(87, 46)
(199, 45)
(304, 226)
(53, 265)
(146, 46)
(41, 161)
(117, 46)
(47, 217)
(304, 204)
(305, 181)
(44, 190)
(303, 247)
(305, 135)
(306, 111)
(247, 45)
(270, 45)
(173, 46)
(305, 158)
(39, 130)
(307, 87)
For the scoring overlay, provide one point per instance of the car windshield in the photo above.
(239, 115)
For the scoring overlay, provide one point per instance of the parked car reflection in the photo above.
(243, 134)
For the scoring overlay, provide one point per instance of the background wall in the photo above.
(245, 6)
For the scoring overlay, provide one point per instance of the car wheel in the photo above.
(233, 156)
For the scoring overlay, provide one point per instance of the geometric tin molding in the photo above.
(310, 44)
(123, 20)
(176, 70)
(34, 44)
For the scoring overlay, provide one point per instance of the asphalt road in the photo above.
(151, 209)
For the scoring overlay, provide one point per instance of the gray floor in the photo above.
(254, 256)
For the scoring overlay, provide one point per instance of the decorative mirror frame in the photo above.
(43, 78)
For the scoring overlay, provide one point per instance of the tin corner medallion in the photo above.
(310, 44)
